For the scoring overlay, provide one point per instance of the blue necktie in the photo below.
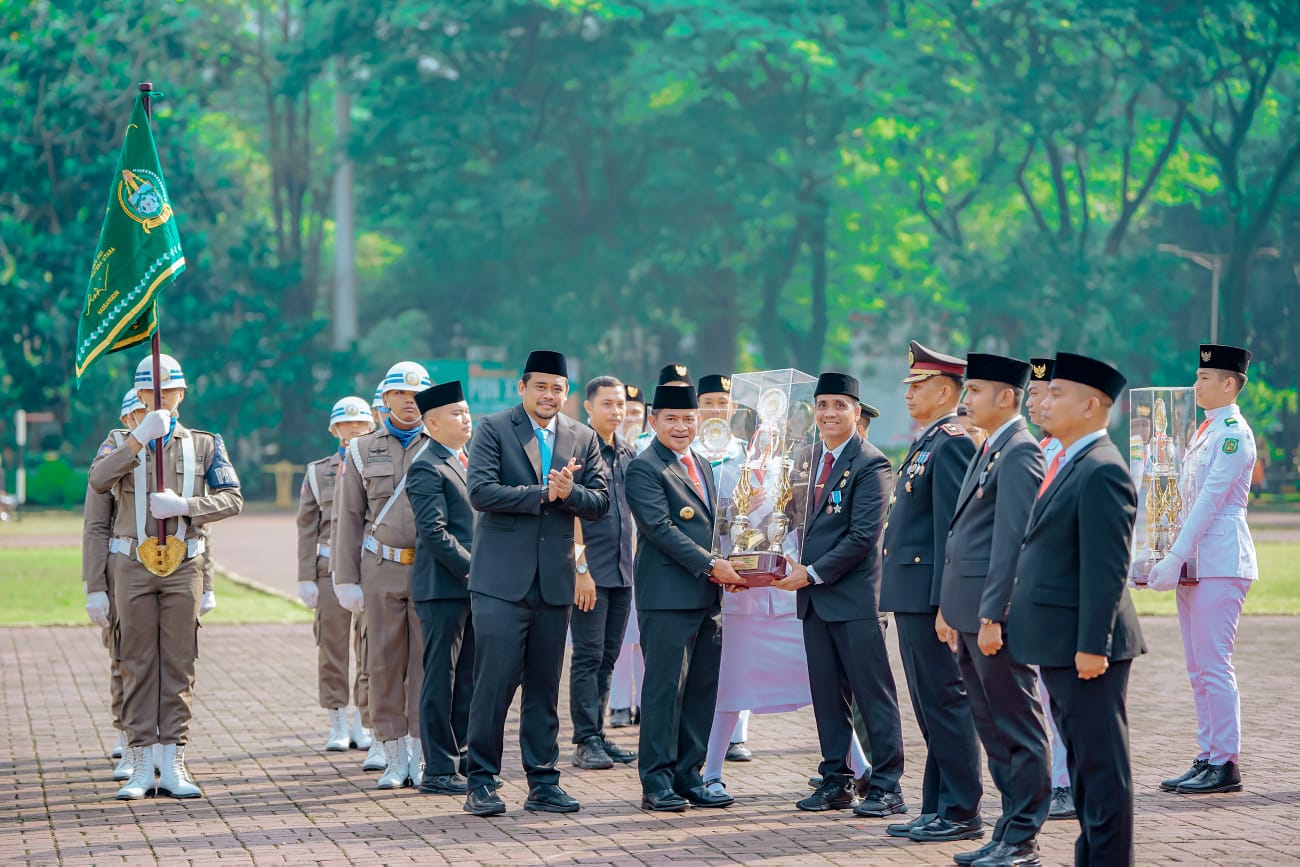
(545, 447)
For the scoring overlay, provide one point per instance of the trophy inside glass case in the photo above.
(1162, 421)
(759, 520)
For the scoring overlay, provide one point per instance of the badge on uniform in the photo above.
(686, 513)
(836, 498)
(1230, 445)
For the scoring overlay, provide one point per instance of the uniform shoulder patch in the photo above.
(953, 429)
(221, 475)
(1230, 422)
(1230, 445)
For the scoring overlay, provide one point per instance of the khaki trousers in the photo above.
(157, 625)
(338, 634)
(395, 649)
(109, 637)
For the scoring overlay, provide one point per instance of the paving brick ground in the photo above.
(273, 796)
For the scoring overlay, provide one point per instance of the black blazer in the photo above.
(1070, 596)
(984, 540)
(844, 547)
(519, 535)
(924, 498)
(676, 531)
(444, 524)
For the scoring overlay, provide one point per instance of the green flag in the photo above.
(139, 252)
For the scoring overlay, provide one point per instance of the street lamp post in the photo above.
(1213, 262)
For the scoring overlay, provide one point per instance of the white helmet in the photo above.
(405, 376)
(172, 375)
(130, 403)
(378, 404)
(350, 409)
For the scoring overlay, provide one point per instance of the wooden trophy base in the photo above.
(759, 568)
(1187, 577)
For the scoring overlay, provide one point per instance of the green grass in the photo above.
(41, 524)
(1276, 592)
(42, 587)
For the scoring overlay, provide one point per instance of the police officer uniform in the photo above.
(158, 616)
(373, 549)
(921, 506)
(1217, 469)
(335, 628)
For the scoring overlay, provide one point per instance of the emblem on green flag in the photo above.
(139, 252)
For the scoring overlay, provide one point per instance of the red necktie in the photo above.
(464, 461)
(825, 474)
(695, 477)
(1200, 430)
(1051, 472)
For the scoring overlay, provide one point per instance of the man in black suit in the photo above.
(531, 472)
(678, 601)
(1070, 610)
(444, 521)
(924, 498)
(979, 572)
(838, 582)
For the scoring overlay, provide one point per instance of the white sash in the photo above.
(312, 483)
(142, 492)
(397, 491)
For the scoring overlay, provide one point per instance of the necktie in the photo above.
(544, 446)
(1200, 430)
(825, 474)
(1051, 472)
(695, 477)
(464, 461)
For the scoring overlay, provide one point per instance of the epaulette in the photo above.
(1229, 421)
(953, 429)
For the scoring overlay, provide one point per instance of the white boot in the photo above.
(118, 748)
(361, 737)
(174, 778)
(398, 769)
(140, 785)
(376, 759)
(123, 769)
(416, 762)
(339, 737)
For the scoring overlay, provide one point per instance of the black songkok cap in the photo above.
(1090, 371)
(837, 383)
(634, 394)
(997, 368)
(547, 362)
(1041, 369)
(1216, 356)
(439, 395)
(676, 397)
(714, 383)
(674, 373)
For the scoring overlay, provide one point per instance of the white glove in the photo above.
(351, 597)
(207, 602)
(154, 425)
(168, 504)
(97, 609)
(1164, 575)
(308, 593)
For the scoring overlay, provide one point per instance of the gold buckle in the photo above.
(406, 556)
(162, 560)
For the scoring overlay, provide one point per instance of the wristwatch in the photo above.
(986, 621)
(582, 569)
(708, 570)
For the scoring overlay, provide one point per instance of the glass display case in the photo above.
(1162, 421)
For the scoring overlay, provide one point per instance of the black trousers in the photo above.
(679, 691)
(847, 660)
(516, 643)
(1009, 719)
(1093, 720)
(448, 683)
(951, 785)
(597, 640)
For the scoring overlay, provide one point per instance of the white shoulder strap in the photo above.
(355, 451)
(312, 483)
(397, 491)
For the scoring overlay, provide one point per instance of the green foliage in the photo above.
(56, 483)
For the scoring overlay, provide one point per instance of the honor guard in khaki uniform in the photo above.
(335, 627)
(1216, 471)
(378, 409)
(98, 584)
(371, 554)
(158, 589)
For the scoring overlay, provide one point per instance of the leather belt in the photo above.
(125, 546)
(405, 556)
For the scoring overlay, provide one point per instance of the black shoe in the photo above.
(1009, 855)
(484, 802)
(945, 831)
(445, 784)
(1198, 767)
(1062, 806)
(666, 801)
(700, 796)
(967, 858)
(618, 754)
(620, 717)
(736, 752)
(1214, 780)
(904, 829)
(550, 798)
(590, 755)
(835, 793)
(879, 804)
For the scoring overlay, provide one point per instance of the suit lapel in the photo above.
(528, 439)
(839, 470)
(565, 441)
(1062, 476)
(438, 454)
(982, 460)
(675, 467)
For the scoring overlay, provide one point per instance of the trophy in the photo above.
(758, 530)
(1161, 423)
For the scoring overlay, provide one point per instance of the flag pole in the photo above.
(146, 88)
